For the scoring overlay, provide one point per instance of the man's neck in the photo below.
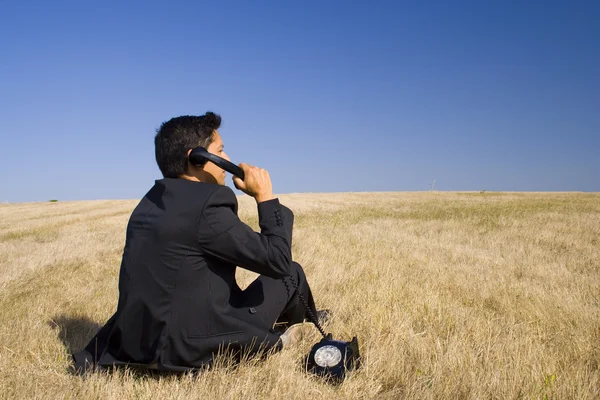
(190, 177)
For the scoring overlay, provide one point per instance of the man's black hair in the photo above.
(176, 136)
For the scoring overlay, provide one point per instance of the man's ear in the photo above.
(189, 165)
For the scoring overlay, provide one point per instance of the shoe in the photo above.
(324, 316)
(83, 363)
(294, 334)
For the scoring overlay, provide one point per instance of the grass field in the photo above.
(452, 295)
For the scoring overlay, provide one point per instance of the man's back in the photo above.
(177, 302)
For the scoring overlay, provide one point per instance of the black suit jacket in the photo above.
(178, 298)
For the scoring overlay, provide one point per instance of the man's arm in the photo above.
(223, 235)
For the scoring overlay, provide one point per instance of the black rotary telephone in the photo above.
(329, 358)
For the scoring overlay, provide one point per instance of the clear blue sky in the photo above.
(495, 95)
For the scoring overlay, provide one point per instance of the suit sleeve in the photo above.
(223, 235)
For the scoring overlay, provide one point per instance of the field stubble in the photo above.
(452, 295)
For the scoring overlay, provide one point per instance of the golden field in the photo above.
(451, 295)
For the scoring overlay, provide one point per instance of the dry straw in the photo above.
(452, 295)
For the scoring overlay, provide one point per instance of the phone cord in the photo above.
(313, 318)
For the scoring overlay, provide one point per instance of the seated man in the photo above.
(179, 303)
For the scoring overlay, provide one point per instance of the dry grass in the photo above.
(452, 295)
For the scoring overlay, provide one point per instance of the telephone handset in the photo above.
(199, 156)
(329, 358)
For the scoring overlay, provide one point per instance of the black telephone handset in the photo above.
(199, 156)
(329, 358)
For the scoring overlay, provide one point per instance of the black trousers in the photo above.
(277, 300)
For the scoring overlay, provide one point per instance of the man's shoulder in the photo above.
(172, 186)
(221, 195)
(182, 191)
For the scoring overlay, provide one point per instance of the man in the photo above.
(179, 303)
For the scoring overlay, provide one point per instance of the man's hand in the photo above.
(256, 183)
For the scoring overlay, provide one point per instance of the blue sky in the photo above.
(328, 96)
